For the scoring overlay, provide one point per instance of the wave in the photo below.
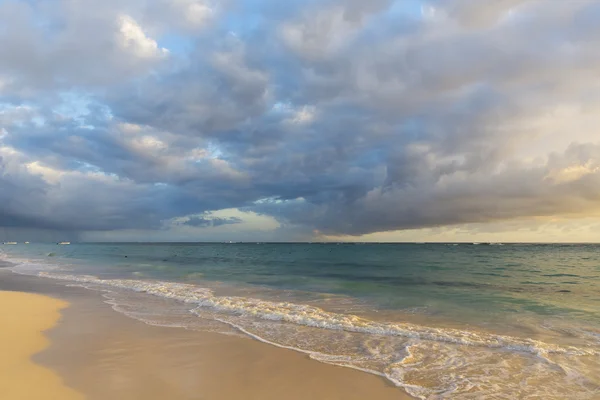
(428, 362)
(311, 316)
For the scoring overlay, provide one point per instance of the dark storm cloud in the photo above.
(342, 116)
(202, 222)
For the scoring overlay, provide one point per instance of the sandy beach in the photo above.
(23, 319)
(101, 354)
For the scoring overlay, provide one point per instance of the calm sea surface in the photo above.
(443, 321)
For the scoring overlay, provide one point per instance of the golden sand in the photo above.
(23, 319)
(106, 355)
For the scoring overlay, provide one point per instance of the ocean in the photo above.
(441, 321)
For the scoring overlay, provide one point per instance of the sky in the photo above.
(312, 120)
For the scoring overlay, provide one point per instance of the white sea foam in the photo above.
(311, 316)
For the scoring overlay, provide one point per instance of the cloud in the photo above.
(48, 46)
(182, 15)
(203, 222)
(133, 39)
(340, 117)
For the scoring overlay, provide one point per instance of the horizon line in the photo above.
(295, 242)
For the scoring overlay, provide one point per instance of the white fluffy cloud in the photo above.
(132, 38)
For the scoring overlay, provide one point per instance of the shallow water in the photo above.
(442, 321)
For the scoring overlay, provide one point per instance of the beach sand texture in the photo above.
(106, 355)
(23, 319)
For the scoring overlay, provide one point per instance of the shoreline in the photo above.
(25, 318)
(103, 354)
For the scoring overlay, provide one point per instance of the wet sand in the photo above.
(23, 319)
(104, 354)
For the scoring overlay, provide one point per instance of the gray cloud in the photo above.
(49, 46)
(344, 117)
(202, 222)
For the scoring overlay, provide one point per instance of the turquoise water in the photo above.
(440, 320)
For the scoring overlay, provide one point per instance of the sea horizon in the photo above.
(305, 242)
